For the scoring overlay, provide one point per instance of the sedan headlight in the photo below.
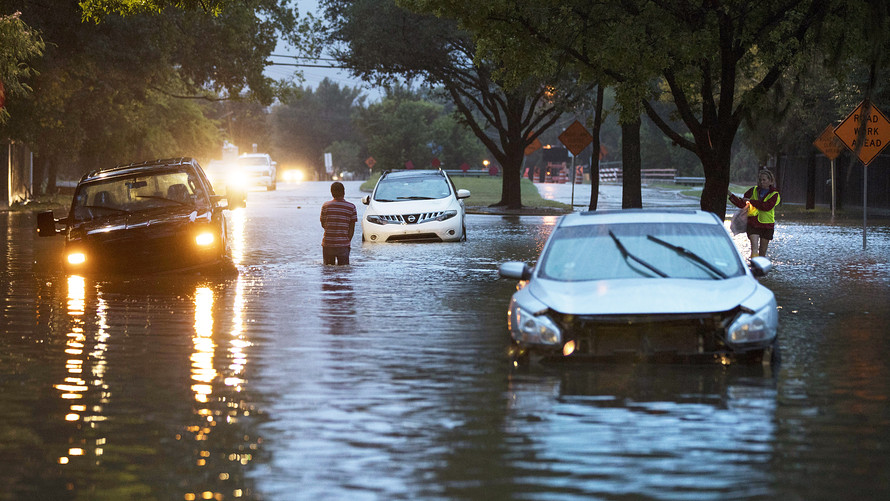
(526, 327)
(754, 327)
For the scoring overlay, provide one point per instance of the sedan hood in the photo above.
(643, 296)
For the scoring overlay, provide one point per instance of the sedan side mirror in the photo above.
(46, 224)
(516, 270)
(760, 266)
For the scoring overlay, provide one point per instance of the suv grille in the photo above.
(423, 217)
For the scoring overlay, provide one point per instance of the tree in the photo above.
(18, 45)
(404, 127)
(714, 61)
(307, 121)
(383, 43)
(137, 86)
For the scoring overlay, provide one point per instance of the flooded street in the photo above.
(389, 378)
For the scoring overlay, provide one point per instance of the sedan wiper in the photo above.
(688, 254)
(628, 255)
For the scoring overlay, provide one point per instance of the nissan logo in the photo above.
(412, 218)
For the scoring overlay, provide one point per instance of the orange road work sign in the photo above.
(875, 130)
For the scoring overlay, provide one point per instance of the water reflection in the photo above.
(219, 361)
(655, 431)
(85, 366)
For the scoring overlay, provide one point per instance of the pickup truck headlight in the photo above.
(755, 327)
(527, 327)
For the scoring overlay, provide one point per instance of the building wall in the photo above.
(16, 175)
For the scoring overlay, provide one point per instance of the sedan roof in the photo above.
(624, 216)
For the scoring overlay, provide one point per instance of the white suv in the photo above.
(415, 205)
(259, 169)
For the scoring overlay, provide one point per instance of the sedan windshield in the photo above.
(640, 250)
(411, 188)
(171, 188)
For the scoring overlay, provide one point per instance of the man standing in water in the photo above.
(338, 218)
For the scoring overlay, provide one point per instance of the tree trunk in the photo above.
(595, 154)
(631, 193)
(715, 191)
(511, 176)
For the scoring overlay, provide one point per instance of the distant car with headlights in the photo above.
(259, 170)
(642, 285)
(142, 218)
(227, 179)
(415, 205)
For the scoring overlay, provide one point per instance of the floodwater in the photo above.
(388, 379)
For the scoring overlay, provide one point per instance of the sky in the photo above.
(313, 76)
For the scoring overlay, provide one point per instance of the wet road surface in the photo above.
(388, 379)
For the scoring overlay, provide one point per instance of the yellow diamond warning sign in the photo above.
(868, 125)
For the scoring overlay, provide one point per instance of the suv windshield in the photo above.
(411, 188)
(104, 197)
(599, 252)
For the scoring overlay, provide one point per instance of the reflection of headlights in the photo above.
(754, 327)
(447, 215)
(528, 328)
(375, 219)
(204, 239)
(77, 258)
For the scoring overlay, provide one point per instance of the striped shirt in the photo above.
(336, 215)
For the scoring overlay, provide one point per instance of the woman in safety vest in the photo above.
(761, 201)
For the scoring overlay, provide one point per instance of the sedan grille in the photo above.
(648, 336)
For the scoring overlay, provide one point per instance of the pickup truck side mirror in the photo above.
(46, 224)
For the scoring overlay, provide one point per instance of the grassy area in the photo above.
(59, 202)
(485, 191)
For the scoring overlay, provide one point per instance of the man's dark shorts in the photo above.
(335, 255)
(766, 233)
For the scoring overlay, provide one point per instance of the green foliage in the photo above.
(307, 121)
(404, 127)
(19, 44)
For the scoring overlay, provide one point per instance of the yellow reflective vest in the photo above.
(764, 216)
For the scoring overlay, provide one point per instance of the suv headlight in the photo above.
(754, 327)
(371, 218)
(447, 215)
(526, 327)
